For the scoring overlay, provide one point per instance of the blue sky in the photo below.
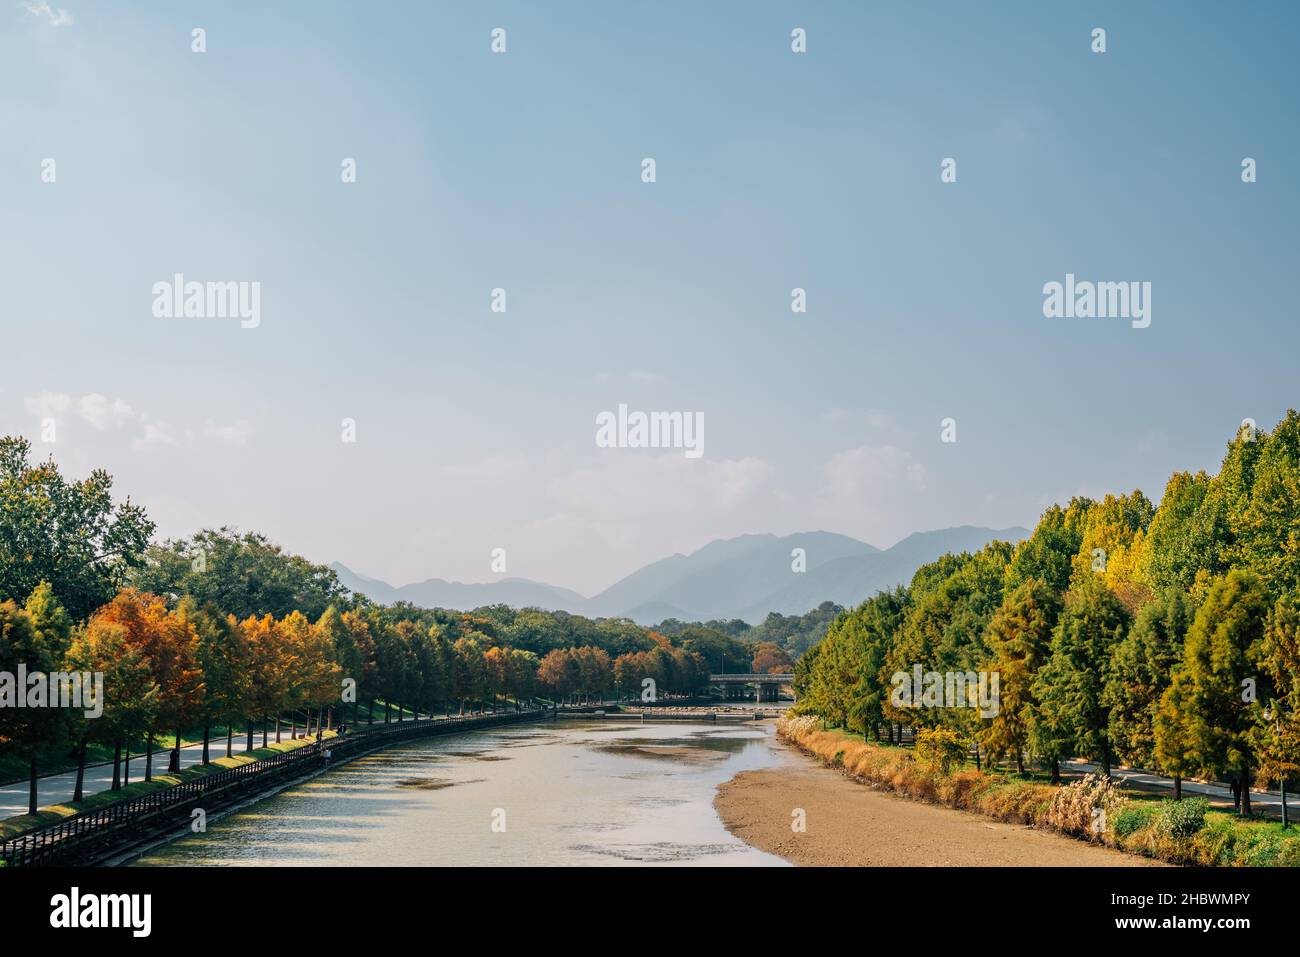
(522, 171)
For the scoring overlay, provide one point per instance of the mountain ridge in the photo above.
(744, 577)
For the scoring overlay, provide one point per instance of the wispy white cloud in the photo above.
(54, 17)
(106, 414)
(102, 412)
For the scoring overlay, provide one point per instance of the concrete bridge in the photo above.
(767, 687)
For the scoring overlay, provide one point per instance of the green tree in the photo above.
(243, 574)
(1212, 694)
(35, 638)
(69, 534)
(1072, 714)
(1141, 668)
(1020, 638)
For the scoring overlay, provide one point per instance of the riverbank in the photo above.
(851, 825)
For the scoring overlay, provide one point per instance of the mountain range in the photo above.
(744, 577)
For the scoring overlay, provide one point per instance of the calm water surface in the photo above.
(590, 792)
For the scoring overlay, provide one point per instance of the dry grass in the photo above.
(1091, 809)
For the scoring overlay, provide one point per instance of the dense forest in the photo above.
(1164, 638)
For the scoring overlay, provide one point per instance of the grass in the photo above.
(1183, 833)
(14, 768)
(16, 826)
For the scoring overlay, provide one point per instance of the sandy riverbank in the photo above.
(849, 824)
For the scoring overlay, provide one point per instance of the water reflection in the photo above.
(600, 792)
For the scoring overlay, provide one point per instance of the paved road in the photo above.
(58, 788)
(1258, 799)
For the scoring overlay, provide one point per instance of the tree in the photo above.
(69, 534)
(770, 659)
(1141, 668)
(1020, 638)
(1267, 528)
(223, 656)
(274, 665)
(1277, 738)
(468, 671)
(1213, 693)
(34, 639)
(244, 574)
(166, 641)
(1072, 713)
(131, 692)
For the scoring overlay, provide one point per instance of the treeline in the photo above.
(171, 666)
(1167, 638)
(791, 634)
(581, 674)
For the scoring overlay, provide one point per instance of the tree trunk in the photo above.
(1245, 791)
(81, 769)
(148, 756)
(977, 757)
(249, 746)
(293, 726)
(31, 786)
(174, 763)
(1178, 787)
(1056, 770)
(126, 765)
(263, 730)
(117, 764)
(1020, 762)
(230, 736)
(277, 729)
(207, 733)
(370, 713)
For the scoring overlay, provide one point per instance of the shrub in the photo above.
(1084, 807)
(1181, 818)
(939, 750)
(1129, 820)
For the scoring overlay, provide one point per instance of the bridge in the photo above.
(767, 687)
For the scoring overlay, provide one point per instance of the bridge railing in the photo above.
(751, 677)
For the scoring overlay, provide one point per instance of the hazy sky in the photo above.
(522, 170)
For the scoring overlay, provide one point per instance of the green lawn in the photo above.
(14, 826)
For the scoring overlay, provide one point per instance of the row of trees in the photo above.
(583, 674)
(1164, 638)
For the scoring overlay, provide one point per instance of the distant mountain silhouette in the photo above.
(438, 593)
(744, 577)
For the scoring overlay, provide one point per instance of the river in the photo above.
(551, 793)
